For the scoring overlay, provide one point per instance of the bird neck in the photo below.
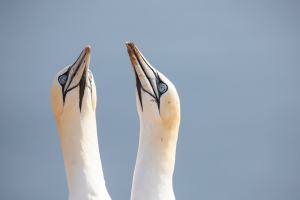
(155, 163)
(83, 166)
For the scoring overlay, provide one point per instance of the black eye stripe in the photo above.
(63, 78)
(160, 85)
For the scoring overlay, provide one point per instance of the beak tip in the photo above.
(87, 49)
(129, 44)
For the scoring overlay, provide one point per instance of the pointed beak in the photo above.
(78, 70)
(145, 74)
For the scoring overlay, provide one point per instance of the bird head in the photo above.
(157, 98)
(73, 89)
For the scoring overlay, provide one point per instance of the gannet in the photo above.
(158, 108)
(74, 98)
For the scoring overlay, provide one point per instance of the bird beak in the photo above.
(146, 76)
(78, 71)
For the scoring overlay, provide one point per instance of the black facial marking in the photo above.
(161, 86)
(76, 70)
(62, 79)
(82, 88)
(138, 87)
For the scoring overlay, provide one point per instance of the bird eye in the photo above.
(62, 79)
(162, 87)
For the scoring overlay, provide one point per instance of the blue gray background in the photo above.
(236, 66)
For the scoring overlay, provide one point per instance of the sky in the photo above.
(235, 65)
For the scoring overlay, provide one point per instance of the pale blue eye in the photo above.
(62, 79)
(162, 87)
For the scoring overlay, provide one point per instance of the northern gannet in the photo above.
(74, 98)
(158, 108)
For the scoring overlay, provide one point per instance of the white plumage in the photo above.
(73, 97)
(158, 107)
